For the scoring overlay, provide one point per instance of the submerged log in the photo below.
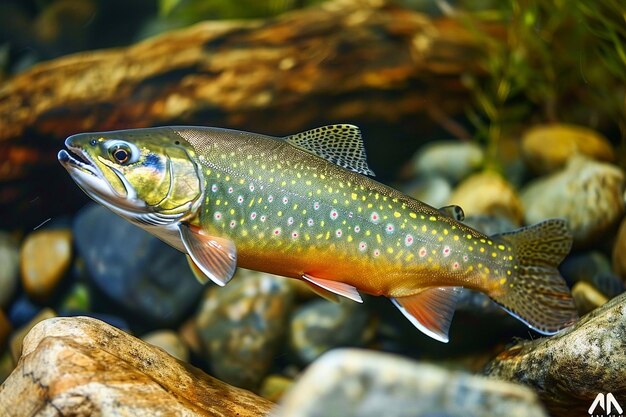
(358, 61)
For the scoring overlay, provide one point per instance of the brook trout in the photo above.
(303, 207)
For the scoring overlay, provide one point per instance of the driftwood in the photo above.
(358, 61)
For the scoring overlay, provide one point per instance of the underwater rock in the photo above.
(547, 148)
(569, 369)
(134, 268)
(169, 341)
(9, 267)
(44, 260)
(241, 324)
(81, 367)
(488, 193)
(22, 310)
(5, 329)
(594, 268)
(587, 297)
(351, 383)
(588, 194)
(619, 252)
(321, 325)
(452, 160)
(432, 190)
(274, 387)
(17, 338)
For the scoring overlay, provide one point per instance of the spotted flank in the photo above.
(299, 207)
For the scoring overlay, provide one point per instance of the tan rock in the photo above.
(619, 252)
(170, 342)
(587, 193)
(5, 329)
(569, 369)
(587, 297)
(81, 366)
(488, 193)
(547, 148)
(44, 259)
(18, 336)
(274, 386)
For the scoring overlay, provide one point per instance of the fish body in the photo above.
(301, 207)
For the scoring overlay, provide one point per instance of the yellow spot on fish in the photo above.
(378, 239)
(413, 215)
(280, 213)
(508, 272)
(349, 239)
(409, 257)
(327, 235)
(389, 250)
(434, 232)
(494, 254)
(501, 247)
(470, 248)
(396, 214)
(455, 237)
(369, 205)
(367, 233)
(218, 202)
(232, 211)
(468, 236)
(432, 218)
(424, 228)
(482, 250)
(318, 191)
(510, 257)
(308, 182)
(445, 232)
(283, 183)
(353, 196)
(440, 238)
(502, 281)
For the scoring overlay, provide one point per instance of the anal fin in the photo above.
(335, 287)
(215, 257)
(430, 310)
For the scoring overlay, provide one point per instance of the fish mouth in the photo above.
(88, 176)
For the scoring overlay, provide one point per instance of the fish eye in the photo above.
(123, 153)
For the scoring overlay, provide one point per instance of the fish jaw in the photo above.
(89, 177)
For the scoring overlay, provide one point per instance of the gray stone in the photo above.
(9, 267)
(321, 325)
(453, 160)
(593, 268)
(431, 189)
(241, 324)
(351, 383)
(134, 268)
(588, 194)
(568, 370)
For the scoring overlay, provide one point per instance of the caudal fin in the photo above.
(537, 294)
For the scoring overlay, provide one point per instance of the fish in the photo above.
(305, 206)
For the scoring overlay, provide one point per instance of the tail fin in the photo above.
(537, 295)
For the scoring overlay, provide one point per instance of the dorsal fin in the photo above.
(339, 144)
(454, 212)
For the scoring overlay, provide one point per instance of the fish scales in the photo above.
(282, 202)
(301, 207)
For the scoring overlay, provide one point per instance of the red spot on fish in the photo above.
(294, 234)
(310, 222)
(270, 198)
(232, 224)
(408, 240)
(376, 252)
(455, 266)
(362, 246)
(277, 231)
(422, 252)
(240, 199)
(285, 200)
(338, 232)
(375, 217)
(446, 251)
(316, 206)
(334, 214)
(218, 215)
(389, 228)
(230, 190)
(253, 215)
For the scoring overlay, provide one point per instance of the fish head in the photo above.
(149, 176)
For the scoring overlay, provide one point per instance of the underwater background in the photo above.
(513, 110)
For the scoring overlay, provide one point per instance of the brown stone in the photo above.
(587, 193)
(568, 370)
(81, 366)
(44, 259)
(587, 297)
(619, 251)
(18, 336)
(488, 193)
(547, 148)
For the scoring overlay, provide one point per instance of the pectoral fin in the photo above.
(214, 256)
(431, 310)
(335, 287)
(330, 296)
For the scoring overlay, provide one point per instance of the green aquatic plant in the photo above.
(553, 61)
(191, 11)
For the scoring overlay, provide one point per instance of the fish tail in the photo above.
(537, 294)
